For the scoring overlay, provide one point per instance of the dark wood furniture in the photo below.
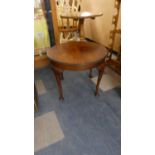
(77, 56)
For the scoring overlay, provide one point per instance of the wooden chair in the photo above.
(69, 30)
(68, 27)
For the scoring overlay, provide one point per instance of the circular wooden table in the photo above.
(77, 56)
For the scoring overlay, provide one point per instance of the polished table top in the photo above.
(77, 55)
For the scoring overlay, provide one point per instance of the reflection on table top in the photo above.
(75, 53)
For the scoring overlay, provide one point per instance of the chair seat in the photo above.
(70, 29)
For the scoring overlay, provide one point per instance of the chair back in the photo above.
(68, 26)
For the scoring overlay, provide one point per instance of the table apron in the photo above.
(61, 67)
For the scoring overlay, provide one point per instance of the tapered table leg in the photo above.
(58, 76)
(90, 73)
(62, 76)
(101, 71)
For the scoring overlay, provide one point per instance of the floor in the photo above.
(82, 124)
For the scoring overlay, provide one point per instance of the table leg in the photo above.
(58, 76)
(90, 73)
(101, 71)
(62, 76)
